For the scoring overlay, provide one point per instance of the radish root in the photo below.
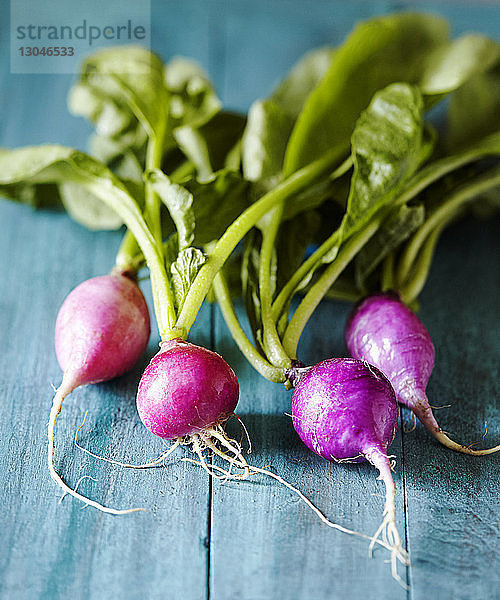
(64, 390)
(152, 463)
(239, 461)
(387, 535)
(424, 414)
(387, 531)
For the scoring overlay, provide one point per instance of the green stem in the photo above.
(313, 261)
(272, 343)
(239, 228)
(263, 366)
(183, 171)
(154, 155)
(124, 205)
(321, 287)
(439, 169)
(387, 278)
(410, 293)
(301, 273)
(126, 259)
(446, 210)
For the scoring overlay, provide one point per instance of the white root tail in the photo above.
(153, 463)
(387, 531)
(64, 389)
(238, 460)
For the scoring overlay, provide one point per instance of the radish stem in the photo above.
(321, 287)
(263, 366)
(239, 228)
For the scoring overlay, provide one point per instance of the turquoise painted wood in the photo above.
(252, 540)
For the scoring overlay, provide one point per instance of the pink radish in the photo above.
(102, 329)
(186, 390)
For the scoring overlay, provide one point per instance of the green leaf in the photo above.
(398, 227)
(474, 110)
(450, 66)
(130, 146)
(179, 202)
(88, 210)
(129, 77)
(250, 284)
(378, 52)
(110, 118)
(264, 141)
(193, 99)
(222, 135)
(293, 240)
(202, 210)
(293, 91)
(184, 270)
(26, 171)
(194, 146)
(386, 150)
(13, 187)
(217, 202)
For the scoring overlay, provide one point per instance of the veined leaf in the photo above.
(474, 109)
(179, 202)
(29, 171)
(184, 270)
(451, 65)
(194, 146)
(132, 78)
(87, 209)
(222, 135)
(217, 202)
(202, 210)
(395, 230)
(193, 100)
(386, 150)
(264, 140)
(378, 52)
(304, 76)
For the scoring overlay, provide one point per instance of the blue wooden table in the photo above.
(250, 540)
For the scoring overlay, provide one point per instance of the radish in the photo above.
(102, 329)
(345, 410)
(185, 391)
(385, 332)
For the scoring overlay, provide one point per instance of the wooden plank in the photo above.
(59, 550)
(452, 499)
(265, 543)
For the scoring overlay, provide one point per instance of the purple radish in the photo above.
(102, 329)
(186, 390)
(345, 410)
(383, 331)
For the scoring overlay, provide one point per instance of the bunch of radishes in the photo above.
(340, 159)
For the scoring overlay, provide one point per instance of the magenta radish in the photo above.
(385, 332)
(102, 329)
(186, 390)
(345, 410)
